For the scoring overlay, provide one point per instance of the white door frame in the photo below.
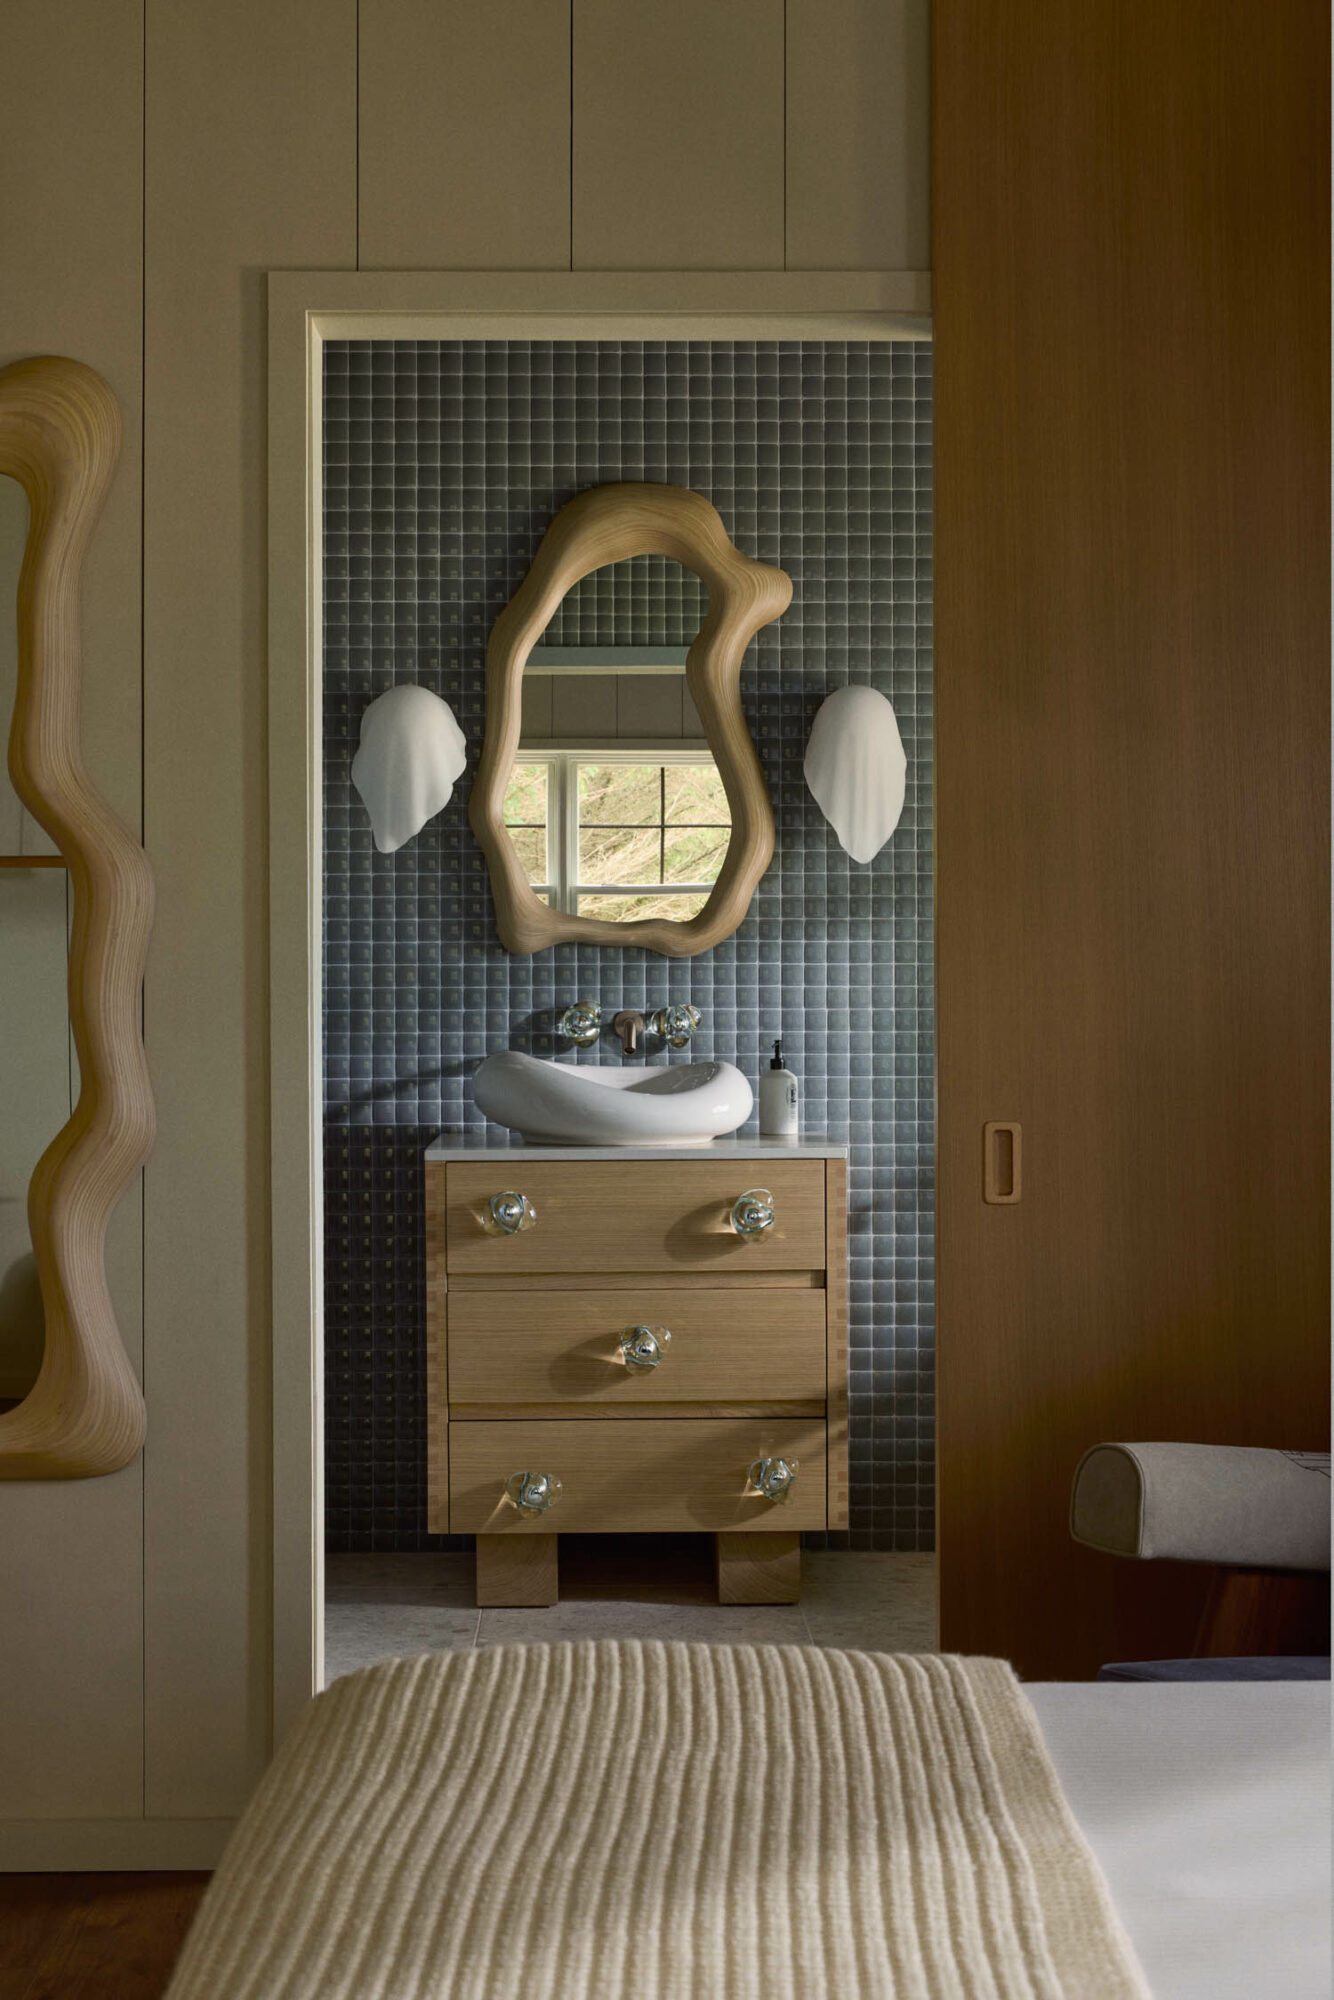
(306, 308)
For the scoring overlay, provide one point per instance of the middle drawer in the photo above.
(758, 1348)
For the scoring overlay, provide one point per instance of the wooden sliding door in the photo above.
(1132, 467)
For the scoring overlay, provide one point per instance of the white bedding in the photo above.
(1208, 1807)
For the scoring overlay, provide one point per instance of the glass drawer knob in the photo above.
(642, 1346)
(511, 1212)
(774, 1478)
(533, 1492)
(753, 1212)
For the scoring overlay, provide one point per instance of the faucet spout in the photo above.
(629, 1027)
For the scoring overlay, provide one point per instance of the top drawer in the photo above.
(634, 1215)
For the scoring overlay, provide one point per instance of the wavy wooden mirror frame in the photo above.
(606, 525)
(59, 438)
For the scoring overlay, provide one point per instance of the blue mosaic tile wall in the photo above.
(444, 462)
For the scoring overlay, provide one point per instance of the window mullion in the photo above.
(568, 788)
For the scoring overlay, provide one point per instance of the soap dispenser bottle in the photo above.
(778, 1100)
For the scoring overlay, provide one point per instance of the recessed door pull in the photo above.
(1002, 1162)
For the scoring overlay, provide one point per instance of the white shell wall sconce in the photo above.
(411, 754)
(857, 769)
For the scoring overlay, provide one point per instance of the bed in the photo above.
(690, 1822)
(1208, 1809)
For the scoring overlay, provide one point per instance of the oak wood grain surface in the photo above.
(59, 438)
(565, 1347)
(93, 1936)
(1131, 240)
(608, 524)
(758, 1569)
(635, 1477)
(517, 1569)
(635, 1215)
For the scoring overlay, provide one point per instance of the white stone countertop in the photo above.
(486, 1145)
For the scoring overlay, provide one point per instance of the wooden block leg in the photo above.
(516, 1569)
(758, 1569)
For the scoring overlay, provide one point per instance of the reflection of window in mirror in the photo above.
(619, 834)
(615, 806)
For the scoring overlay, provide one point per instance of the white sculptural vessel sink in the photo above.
(676, 1104)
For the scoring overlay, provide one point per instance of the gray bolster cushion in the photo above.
(1205, 1503)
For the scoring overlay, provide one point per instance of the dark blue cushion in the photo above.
(1265, 1667)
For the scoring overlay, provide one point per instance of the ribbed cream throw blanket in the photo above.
(661, 1822)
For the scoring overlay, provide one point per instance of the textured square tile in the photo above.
(444, 462)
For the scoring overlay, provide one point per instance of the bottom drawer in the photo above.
(641, 1475)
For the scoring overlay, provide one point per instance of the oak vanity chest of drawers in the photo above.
(636, 1341)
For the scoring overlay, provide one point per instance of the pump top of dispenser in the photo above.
(777, 1062)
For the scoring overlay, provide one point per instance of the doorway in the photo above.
(852, 415)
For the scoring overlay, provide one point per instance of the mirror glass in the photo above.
(34, 1056)
(614, 804)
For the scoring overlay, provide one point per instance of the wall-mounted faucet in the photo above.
(675, 1025)
(629, 1027)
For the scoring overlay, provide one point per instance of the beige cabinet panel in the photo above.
(858, 134)
(464, 135)
(71, 223)
(678, 135)
(71, 230)
(71, 1648)
(251, 167)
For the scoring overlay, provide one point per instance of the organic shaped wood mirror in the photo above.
(59, 438)
(693, 817)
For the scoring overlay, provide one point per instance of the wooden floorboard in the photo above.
(93, 1937)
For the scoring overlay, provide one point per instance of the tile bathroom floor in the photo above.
(623, 1587)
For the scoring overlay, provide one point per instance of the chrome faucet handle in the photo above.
(643, 1346)
(511, 1212)
(581, 1023)
(676, 1024)
(533, 1492)
(774, 1478)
